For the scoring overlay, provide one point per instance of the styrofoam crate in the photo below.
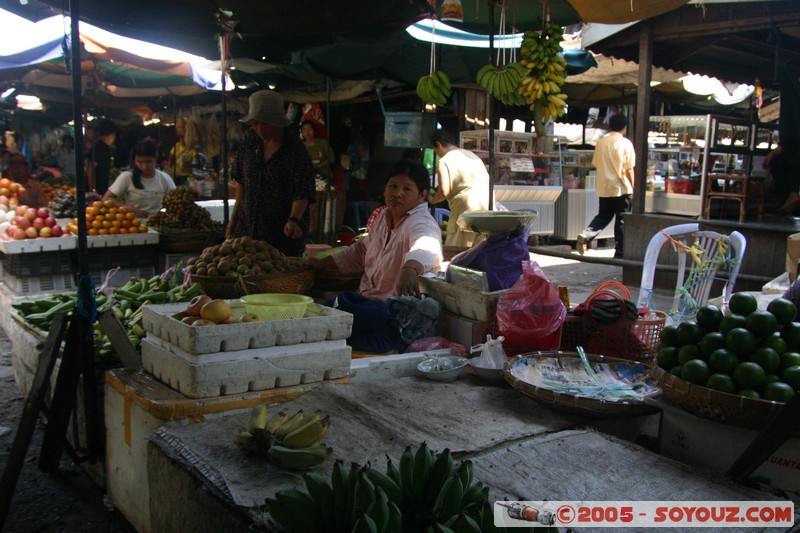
(122, 276)
(54, 283)
(52, 244)
(158, 322)
(127, 239)
(246, 370)
(462, 301)
(167, 260)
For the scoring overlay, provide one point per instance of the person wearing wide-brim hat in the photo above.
(275, 177)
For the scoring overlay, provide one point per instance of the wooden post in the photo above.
(641, 124)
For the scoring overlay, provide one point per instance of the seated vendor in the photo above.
(403, 243)
(32, 193)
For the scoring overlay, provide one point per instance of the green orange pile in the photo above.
(750, 352)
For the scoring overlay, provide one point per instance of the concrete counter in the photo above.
(519, 447)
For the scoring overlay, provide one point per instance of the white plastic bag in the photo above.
(492, 353)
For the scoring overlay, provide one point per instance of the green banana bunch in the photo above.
(502, 82)
(435, 88)
(427, 492)
(297, 458)
(289, 442)
(546, 73)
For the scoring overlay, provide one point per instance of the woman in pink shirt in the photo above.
(403, 243)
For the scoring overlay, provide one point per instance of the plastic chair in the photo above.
(440, 213)
(693, 285)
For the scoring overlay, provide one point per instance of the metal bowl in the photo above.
(486, 374)
(496, 222)
(455, 365)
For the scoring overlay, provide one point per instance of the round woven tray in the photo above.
(572, 403)
(718, 406)
(298, 281)
(189, 242)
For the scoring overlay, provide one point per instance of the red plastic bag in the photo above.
(530, 314)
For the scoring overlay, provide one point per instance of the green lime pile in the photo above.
(750, 352)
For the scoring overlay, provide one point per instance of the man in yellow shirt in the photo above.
(614, 159)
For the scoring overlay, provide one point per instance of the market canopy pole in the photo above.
(641, 126)
(228, 27)
(490, 107)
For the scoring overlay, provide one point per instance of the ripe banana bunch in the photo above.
(546, 71)
(503, 81)
(434, 89)
(427, 492)
(289, 442)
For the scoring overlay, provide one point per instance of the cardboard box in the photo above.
(792, 254)
(462, 301)
(465, 331)
(705, 443)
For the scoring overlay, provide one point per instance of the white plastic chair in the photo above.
(693, 285)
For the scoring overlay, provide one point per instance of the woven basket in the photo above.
(722, 407)
(635, 340)
(572, 403)
(331, 280)
(297, 281)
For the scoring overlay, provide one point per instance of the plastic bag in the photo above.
(499, 256)
(492, 353)
(437, 343)
(530, 314)
(414, 318)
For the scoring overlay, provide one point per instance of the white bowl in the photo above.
(459, 363)
(486, 374)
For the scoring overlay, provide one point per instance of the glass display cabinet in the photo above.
(684, 150)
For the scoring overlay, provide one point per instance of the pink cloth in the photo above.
(384, 250)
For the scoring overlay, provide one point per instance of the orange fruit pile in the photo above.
(104, 218)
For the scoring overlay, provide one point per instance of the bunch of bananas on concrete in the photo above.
(546, 71)
(503, 81)
(434, 89)
(291, 442)
(426, 492)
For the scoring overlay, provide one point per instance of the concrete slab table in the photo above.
(199, 480)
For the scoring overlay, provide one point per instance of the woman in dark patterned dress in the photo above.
(275, 176)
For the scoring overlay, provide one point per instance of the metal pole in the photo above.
(224, 101)
(490, 107)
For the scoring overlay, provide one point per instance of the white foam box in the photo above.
(463, 301)
(158, 321)
(38, 245)
(223, 373)
(135, 404)
(705, 443)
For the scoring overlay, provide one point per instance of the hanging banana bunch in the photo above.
(502, 81)
(435, 87)
(546, 71)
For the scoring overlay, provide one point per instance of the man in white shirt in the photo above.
(614, 159)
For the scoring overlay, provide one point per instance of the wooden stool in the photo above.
(734, 187)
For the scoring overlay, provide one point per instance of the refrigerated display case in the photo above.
(527, 172)
(685, 150)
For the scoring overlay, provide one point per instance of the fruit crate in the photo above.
(39, 284)
(37, 264)
(125, 257)
(158, 321)
(225, 373)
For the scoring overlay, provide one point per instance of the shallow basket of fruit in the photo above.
(600, 386)
(738, 368)
(732, 409)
